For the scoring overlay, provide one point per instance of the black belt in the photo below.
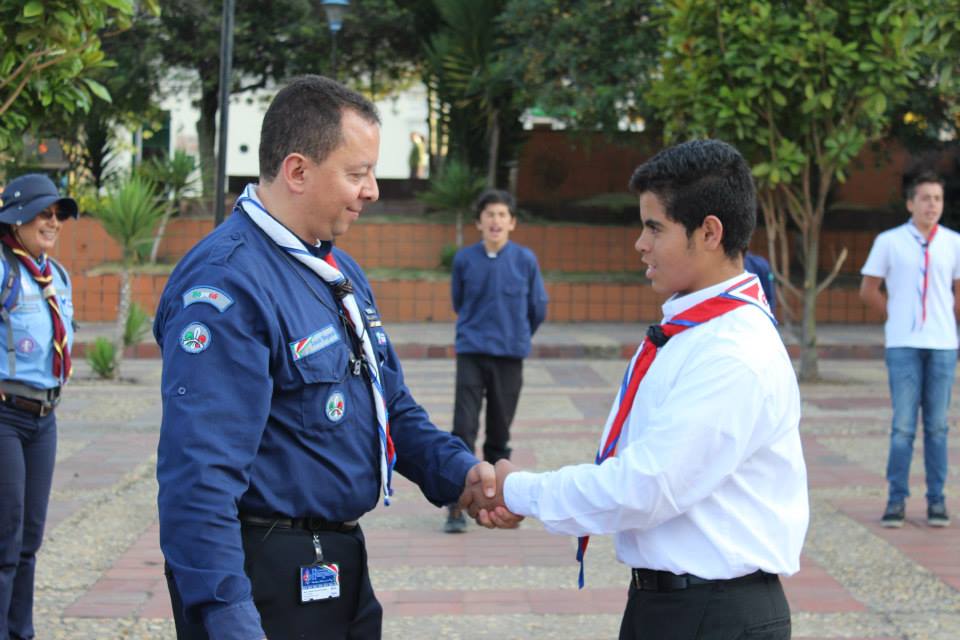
(308, 524)
(651, 580)
(39, 408)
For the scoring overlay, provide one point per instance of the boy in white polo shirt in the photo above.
(919, 262)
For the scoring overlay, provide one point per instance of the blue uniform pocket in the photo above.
(323, 374)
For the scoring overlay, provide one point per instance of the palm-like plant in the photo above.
(129, 214)
(466, 58)
(454, 188)
(175, 176)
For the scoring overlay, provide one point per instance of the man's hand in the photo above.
(479, 489)
(492, 512)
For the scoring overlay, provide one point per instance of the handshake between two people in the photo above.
(482, 495)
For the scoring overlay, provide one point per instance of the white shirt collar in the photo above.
(678, 304)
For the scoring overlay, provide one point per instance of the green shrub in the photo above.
(138, 323)
(454, 188)
(102, 356)
(446, 256)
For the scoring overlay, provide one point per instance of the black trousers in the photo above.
(747, 609)
(273, 565)
(500, 380)
(28, 449)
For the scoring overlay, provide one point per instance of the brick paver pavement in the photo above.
(100, 573)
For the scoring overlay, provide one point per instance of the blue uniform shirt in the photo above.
(262, 415)
(759, 266)
(499, 301)
(33, 328)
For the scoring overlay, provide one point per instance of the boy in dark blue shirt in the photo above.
(500, 301)
(759, 266)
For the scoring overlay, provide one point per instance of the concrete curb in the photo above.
(621, 351)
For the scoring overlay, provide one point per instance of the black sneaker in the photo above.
(894, 515)
(937, 515)
(456, 521)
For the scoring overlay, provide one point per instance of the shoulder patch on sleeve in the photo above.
(195, 338)
(208, 295)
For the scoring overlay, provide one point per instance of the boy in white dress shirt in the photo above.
(700, 474)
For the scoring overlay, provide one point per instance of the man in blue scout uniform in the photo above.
(284, 405)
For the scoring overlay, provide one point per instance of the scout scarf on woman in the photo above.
(62, 367)
(344, 292)
(745, 291)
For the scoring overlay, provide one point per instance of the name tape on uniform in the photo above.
(314, 342)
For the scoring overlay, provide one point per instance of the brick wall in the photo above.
(565, 248)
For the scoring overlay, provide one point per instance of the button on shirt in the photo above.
(33, 328)
(262, 415)
(500, 300)
(709, 477)
(897, 257)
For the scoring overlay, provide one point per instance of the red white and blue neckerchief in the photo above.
(746, 290)
(330, 273)
(920, 318)
(43, 275)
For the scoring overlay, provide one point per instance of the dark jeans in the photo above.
(920, 382)
(28, 448)
(273, 565)
(754, 609)
(500, 379)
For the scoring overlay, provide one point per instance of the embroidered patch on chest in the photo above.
(373, 318)
(381, 337)
(26, 345)
(195, 338)
(314, 342)
(209, 295)
(335, 406)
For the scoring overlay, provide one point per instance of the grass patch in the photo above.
(614, 200)
(618, 277)
(112, 268)
(426, 275)
(439, 275)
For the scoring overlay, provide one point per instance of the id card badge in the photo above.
(320, 580)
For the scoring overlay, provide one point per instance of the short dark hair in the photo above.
(923, 177)
(494, 196)
(700, 178)
(304, 117)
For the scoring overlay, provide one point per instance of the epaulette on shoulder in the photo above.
(225, 247)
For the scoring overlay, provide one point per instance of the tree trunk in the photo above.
(207, 138)
(459, 237)
(161, 229)
(432, 135)
(123, 310)
(493, 129)
(809, 364)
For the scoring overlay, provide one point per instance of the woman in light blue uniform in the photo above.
(36, 329)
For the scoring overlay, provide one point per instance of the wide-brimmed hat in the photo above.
(24, 197)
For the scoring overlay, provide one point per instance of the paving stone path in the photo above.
(100, 573)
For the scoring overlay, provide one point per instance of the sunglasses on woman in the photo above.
(49, 212)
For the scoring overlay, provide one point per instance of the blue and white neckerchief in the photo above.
(286, 240)
(920, 317)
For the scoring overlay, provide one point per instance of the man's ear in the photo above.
(712, 230)
(293, 171)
